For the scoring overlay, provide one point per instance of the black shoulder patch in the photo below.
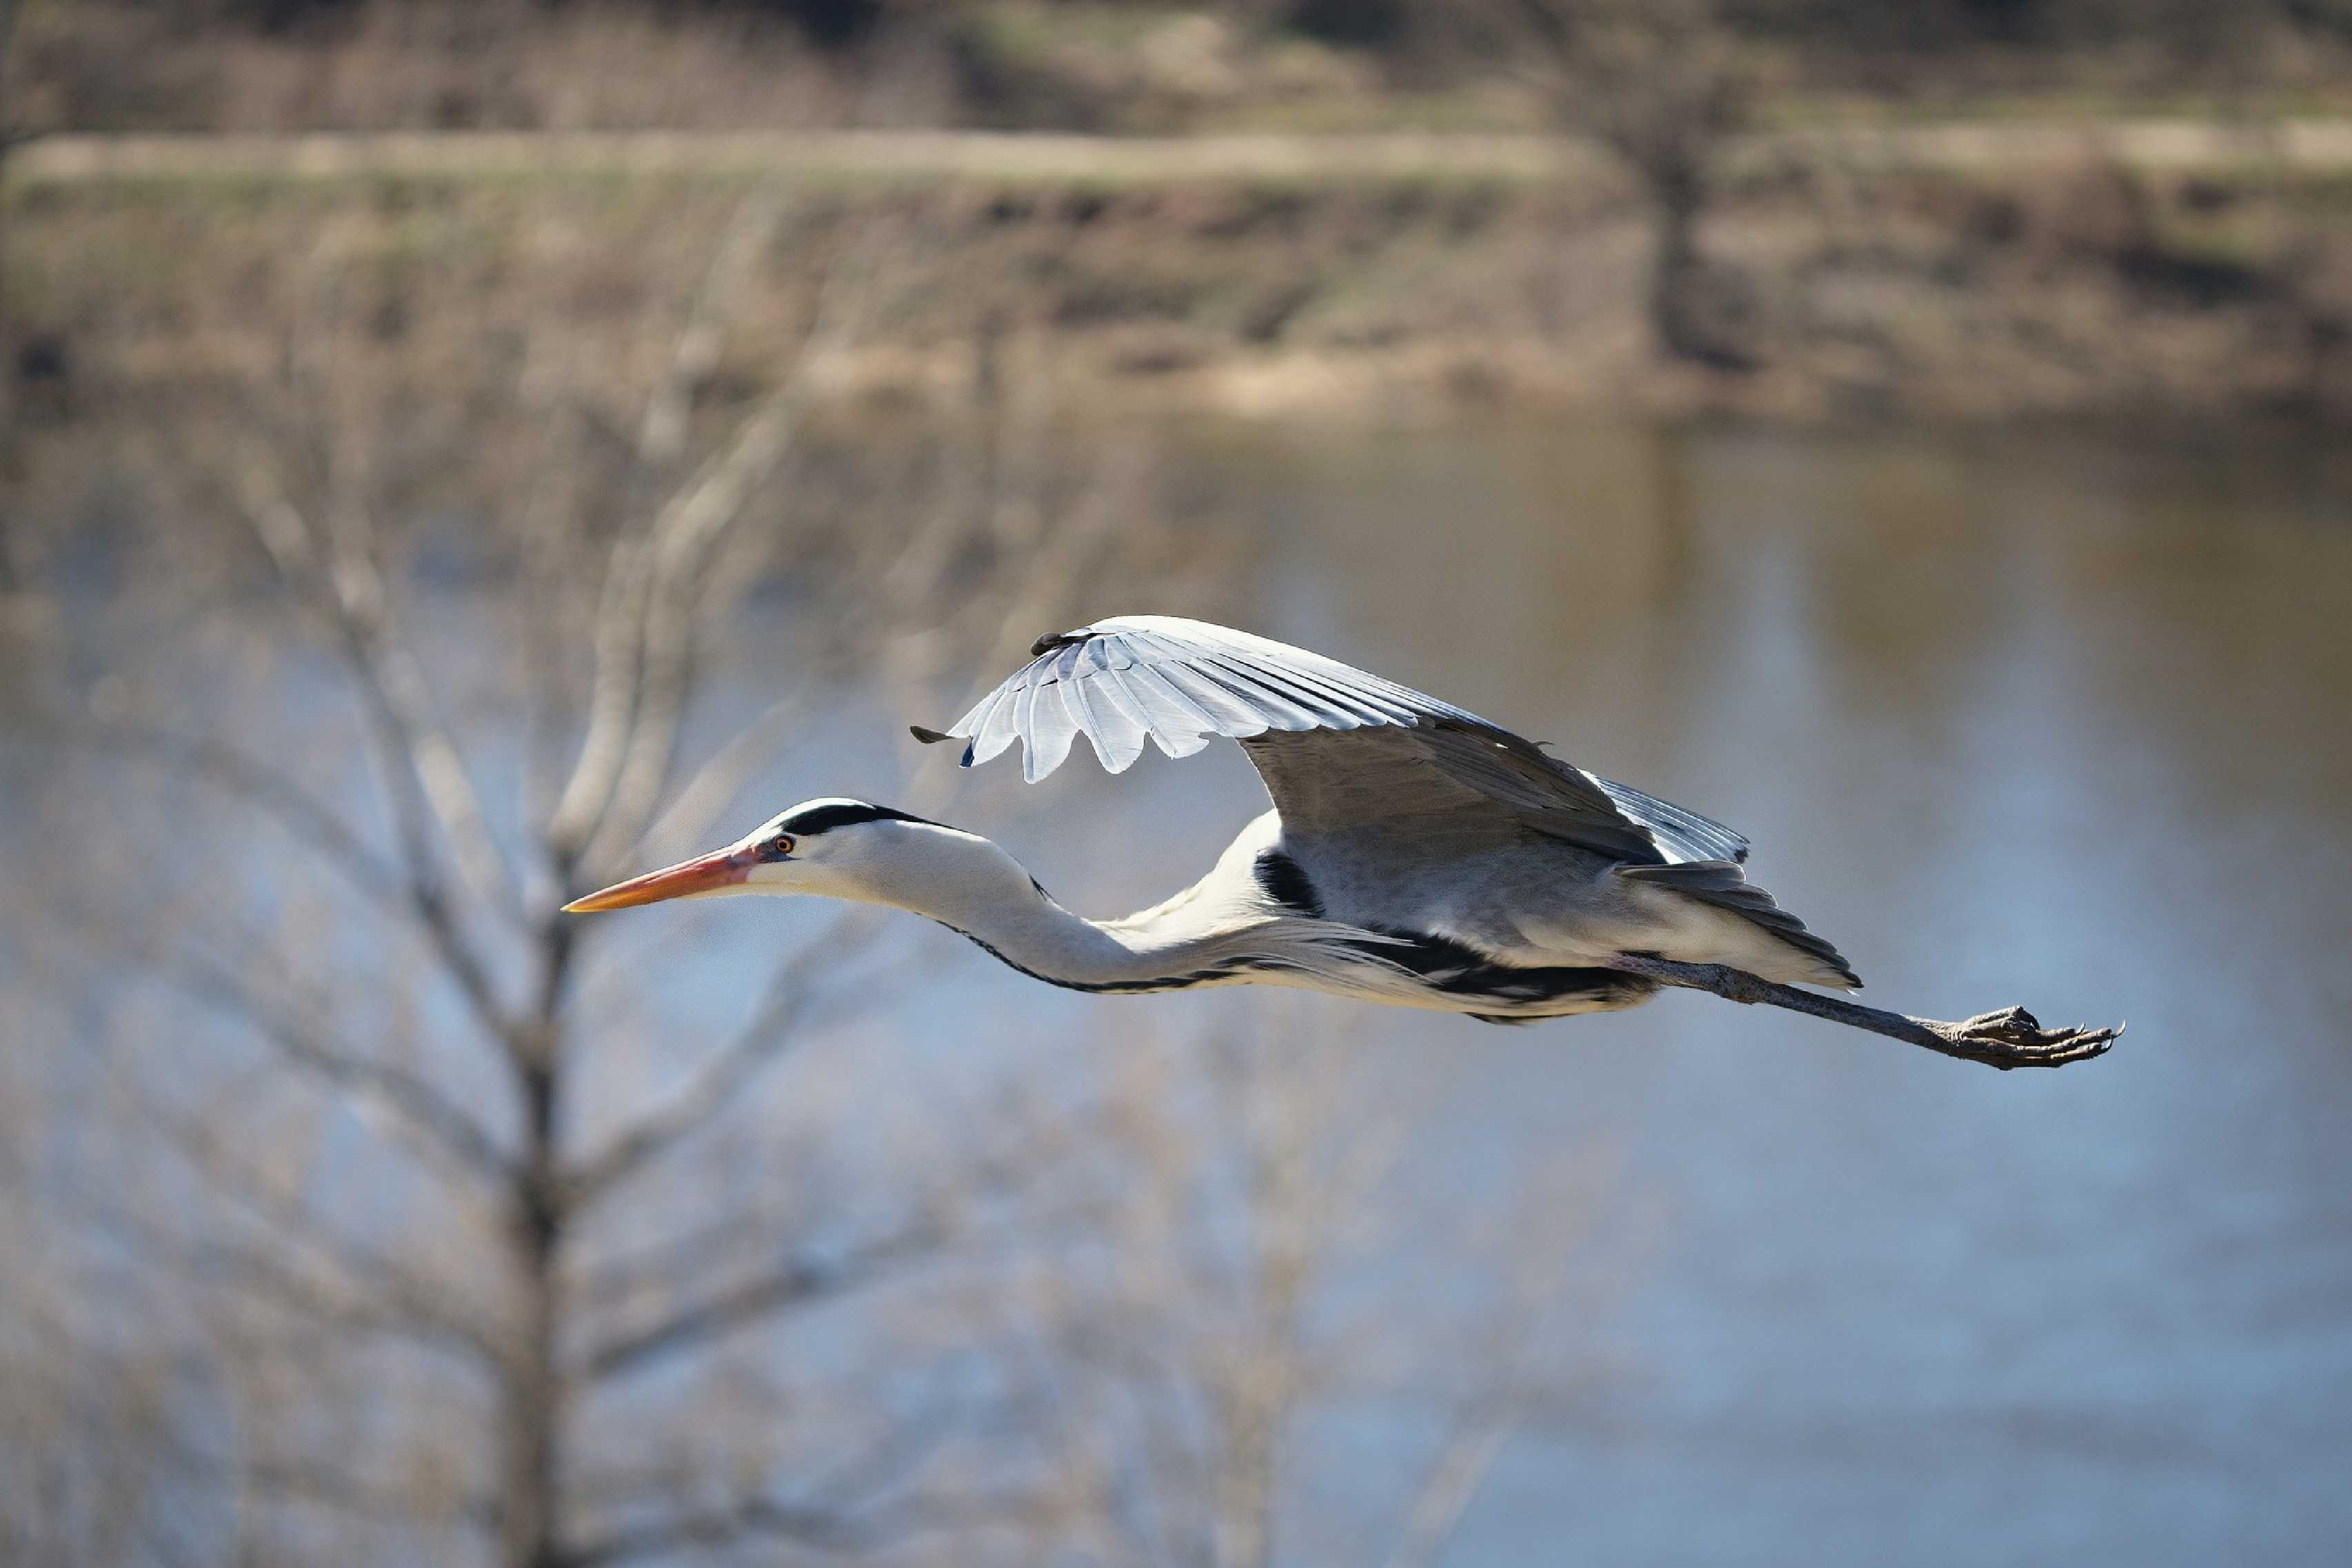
(1053, 640)
(846, 814)
(1286, 882)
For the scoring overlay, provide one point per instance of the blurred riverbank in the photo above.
(1976, 271)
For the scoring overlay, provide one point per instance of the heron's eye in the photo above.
(782, 844)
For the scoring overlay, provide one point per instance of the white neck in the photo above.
(970, 885)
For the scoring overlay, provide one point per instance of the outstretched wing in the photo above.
(1337, 747)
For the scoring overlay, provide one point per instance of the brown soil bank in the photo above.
(1836, 285)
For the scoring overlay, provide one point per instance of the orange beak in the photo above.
(710, 874)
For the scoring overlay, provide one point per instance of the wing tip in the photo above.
(931, 737)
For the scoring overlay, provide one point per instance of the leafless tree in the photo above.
(581, 1218)
(1258, 1169)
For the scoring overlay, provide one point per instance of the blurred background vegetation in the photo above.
(1802, 207)
(454, 453)
(1111, 65)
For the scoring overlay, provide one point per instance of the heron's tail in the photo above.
(1722, 884)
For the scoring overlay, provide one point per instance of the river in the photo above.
(2054, 717)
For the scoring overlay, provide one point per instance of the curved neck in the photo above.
(970, 885)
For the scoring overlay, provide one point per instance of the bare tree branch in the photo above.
(421, 760)
(370, 1272)
(900, 1448)
(750, 1518)
(264, 1274)
(796, 1281)
(661, 437)
(619, 625)
(2011, 1037)
(706, 793)
(278, 797)
(677, 1256)
(720, 1077)
(1026, 1144)
(813, 1526)
(393, 1102)
(267, 789)
(612, 700)
(407, 1098)
(853, 1503)
(683, 535)
(391, 692)
(679, 543)
(1469, 1453)
(558, 598)
(331, 1486)
(1539, 1242)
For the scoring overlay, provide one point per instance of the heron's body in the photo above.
(1416, 854)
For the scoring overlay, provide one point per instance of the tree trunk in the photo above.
(8, 331)
(531, 1519)
(1676, 194)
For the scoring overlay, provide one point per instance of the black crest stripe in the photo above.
(845, 813)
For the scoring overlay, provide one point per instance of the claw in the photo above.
(2013, 1037)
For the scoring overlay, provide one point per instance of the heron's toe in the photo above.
(2014, 1037)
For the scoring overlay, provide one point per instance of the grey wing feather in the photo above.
(1338, 747)
(1723, 884)
(1684, 835)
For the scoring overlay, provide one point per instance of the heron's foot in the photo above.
(2013, 1037)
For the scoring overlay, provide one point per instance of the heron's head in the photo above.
(833, 849)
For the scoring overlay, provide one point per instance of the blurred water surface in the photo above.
(2054, 718)
(2062, 719)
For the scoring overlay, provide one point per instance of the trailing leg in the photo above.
(2008, 1037)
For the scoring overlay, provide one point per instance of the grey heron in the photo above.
(1416, 854)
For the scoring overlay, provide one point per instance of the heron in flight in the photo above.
(1416, 854)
